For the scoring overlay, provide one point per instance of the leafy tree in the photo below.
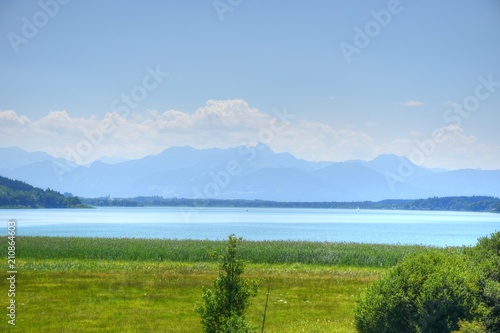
(429, 292)
(470, 327)
(437, 291)
(487, 255)
(225, 304)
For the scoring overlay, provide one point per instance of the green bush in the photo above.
(492, 301)
(437, 291)
(470, 327)
(226, 303)
(428, 292)
(487, 256)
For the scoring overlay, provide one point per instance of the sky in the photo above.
(322, 80)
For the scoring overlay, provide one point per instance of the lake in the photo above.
(332, 225)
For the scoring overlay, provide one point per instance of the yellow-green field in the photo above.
(74, 292)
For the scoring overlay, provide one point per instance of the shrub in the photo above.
(492, 300)
(470, 327)
(429, 292)
(225, 305)
(487, 256)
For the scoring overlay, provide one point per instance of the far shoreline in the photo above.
(456, 203)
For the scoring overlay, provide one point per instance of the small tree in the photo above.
(226, 303)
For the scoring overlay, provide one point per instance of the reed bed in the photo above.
(169, 250)
(72, 284)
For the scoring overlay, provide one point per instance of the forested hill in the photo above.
(17, 194)
(471, 204)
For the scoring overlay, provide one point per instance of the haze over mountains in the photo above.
(246, 173)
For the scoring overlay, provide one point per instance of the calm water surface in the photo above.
(333, 225)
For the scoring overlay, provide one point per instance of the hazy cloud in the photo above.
(412, 103)
(450, 105)
(448, 147)
(231, 123)
(220, 124)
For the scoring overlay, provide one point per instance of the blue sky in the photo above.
(232, 63)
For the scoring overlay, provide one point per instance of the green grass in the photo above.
(74, 295)
(132, 285)
(271, 252)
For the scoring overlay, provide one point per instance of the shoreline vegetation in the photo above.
(152, 285)
(16, 194)
(458, 203)
(254, 252)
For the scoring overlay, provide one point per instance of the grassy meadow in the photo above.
(139, 285)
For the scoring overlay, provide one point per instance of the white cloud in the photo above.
(10, 118)
(447, 147)
(231, 123)
(412, 103)
(220, 124)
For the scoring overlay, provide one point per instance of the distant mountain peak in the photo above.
(391, 161)
(390, 158)
(263, 147)
(243, 172)
(15, 157)
(112, 159)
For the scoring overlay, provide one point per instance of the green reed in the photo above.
(159, 250)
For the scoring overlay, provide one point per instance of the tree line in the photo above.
(458, 203)
(18, 194)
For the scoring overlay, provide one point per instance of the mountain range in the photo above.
(246, 173)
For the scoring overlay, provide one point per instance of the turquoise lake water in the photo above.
(332, 225)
